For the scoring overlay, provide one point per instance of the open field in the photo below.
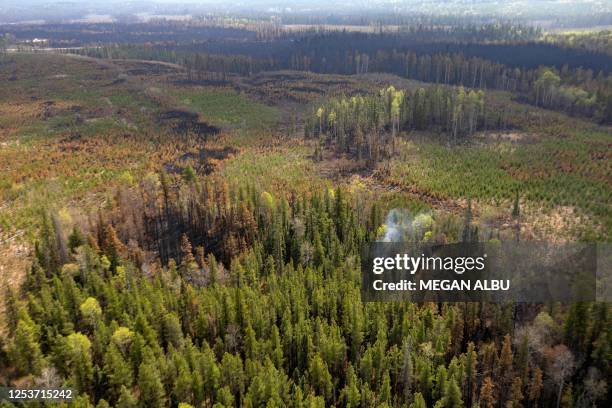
(225, 107)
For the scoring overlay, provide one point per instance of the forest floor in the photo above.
(74, 129)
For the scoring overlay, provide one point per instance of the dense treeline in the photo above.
(583, 88)
(450, 27)
(576, 93)
(492, 55)
(366, 126)
(598, 41)
(276, 318)
(428, 32)
(499, 43)
(336, 45)
(214, 28)
(89, 34)
(199, 66)
(528, 55)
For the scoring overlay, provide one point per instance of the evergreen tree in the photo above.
(112, 246)
(319, 376)
(152, 392)
(385, 390)
(232, 375)
(75, 239)
(118, 371)
(535, 386)
(470, 366)
(350, 393)
(487, 394)
(78, 350)
(505, 367)
(25, 350)
(516, 394)
(419, 401)
(452, 395)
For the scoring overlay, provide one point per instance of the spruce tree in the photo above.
(487, 394)
(152, 392)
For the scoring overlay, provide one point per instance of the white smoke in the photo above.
(401, 226)
(398, 224)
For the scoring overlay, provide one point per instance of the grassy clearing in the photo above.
(563, 172)
(278, 170)
(226, 107)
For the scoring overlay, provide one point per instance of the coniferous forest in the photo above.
(185, 196)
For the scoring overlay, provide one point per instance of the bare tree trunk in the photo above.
(560, 392)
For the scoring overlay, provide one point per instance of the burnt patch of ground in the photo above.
(204, 162)
(138, 67)
(298, 86)
(335, 166)
(184, 122)
(202, 82)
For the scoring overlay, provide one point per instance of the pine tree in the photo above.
(188, 263)
(350, 393)
(440, 384)
(11, 308)
(209, 371)
(407, 368)
(269, 387)
(489, 359)
(112, 246)
(78, 349)
(75, 239)
(522, 357)
(126, 399)
(516, 394)
(319, 376)
(25, 350)
(152, 392)
(118, 372)
(385, 390)
(225, 398)
(277, 349)
(487, 394)
(172, 332)
(505, 367)
(576, 326)
(452, 395)
(469, 364)
(232, 374)
(535, 386)
(419, 401)
(183, 382)
(189, 174)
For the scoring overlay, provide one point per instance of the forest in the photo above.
(368, 125)
(578, 78)
(280, 324)
(184, 206)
